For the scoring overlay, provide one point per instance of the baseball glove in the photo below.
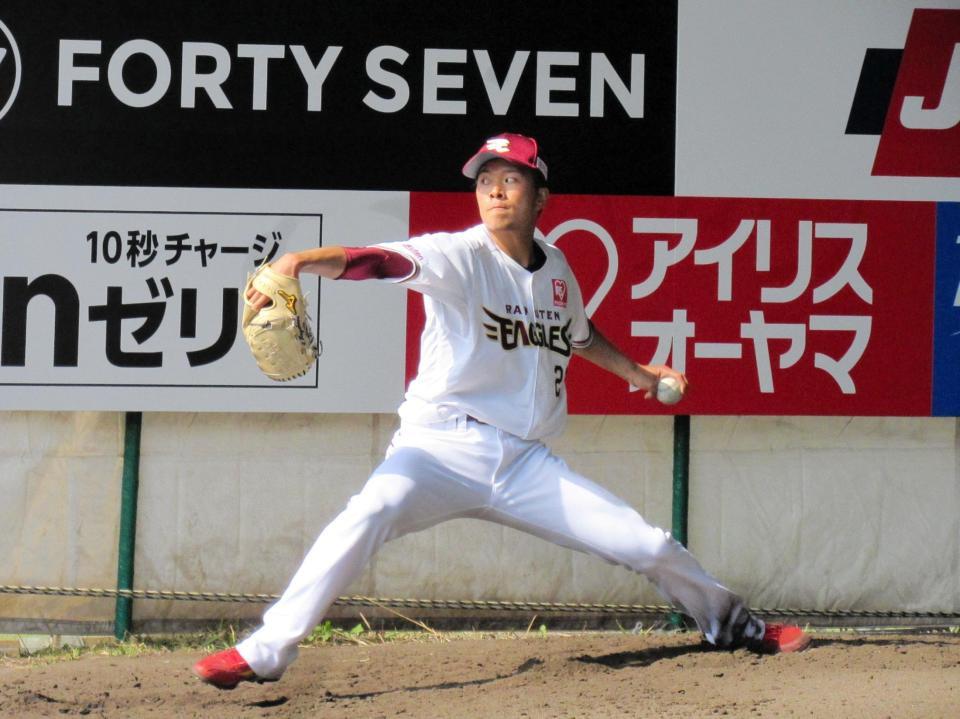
(280, 336)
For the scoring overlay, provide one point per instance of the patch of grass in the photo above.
(136, 645)
(364, 634)
(326, 633)
(887, 629)
(360, 634)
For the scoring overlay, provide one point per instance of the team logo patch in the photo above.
(413, 251)
(498, 144)
(559, 293)
(289, 300)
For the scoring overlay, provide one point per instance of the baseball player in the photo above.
(504, 315)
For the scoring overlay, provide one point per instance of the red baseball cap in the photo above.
(518, 149)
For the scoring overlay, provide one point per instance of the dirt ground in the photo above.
(566, 676)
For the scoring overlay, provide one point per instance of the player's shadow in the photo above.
(642, 657)
(525, 667)
(645, 657)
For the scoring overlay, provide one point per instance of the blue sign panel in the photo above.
(946, 327)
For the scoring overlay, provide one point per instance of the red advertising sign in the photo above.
(921, 135)
(770, 306)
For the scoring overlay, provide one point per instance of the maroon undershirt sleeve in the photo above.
(375, 263)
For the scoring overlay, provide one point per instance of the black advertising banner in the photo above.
(357, 95)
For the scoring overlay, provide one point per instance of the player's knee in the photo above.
(374, 509)
(654, 549)
(379, 507)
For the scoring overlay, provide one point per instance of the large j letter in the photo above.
(947, 113)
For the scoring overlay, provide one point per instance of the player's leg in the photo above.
(413, 489)
(538, 493)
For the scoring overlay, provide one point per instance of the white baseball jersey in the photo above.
(498, 337)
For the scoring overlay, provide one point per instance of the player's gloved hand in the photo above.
(280, 335)
(285, 265)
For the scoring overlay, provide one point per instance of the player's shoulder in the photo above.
(471, 236)
(553, 254)
(464, 242)
(551, 251)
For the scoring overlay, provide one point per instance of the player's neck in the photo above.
(518, 246)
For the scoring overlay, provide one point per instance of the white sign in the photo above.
(139, 308)
(764, 93)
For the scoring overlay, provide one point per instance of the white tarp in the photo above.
(812, 513)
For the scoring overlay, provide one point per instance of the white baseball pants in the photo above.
(462, 468)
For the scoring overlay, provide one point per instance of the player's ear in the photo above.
(543, 194)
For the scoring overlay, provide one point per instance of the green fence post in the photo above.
(681, 489)
(128, 521)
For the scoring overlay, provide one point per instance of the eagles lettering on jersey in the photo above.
(512, 333)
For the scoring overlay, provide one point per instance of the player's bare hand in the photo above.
(286, 265)
(257, 300)
(660, 372)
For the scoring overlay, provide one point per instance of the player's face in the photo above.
(508, 198)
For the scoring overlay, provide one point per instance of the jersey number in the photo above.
(558, 382)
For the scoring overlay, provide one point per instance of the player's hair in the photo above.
(538, 179)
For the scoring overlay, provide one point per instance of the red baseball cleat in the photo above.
(226, 669)
(781, 638)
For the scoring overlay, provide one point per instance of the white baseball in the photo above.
(668, 390)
